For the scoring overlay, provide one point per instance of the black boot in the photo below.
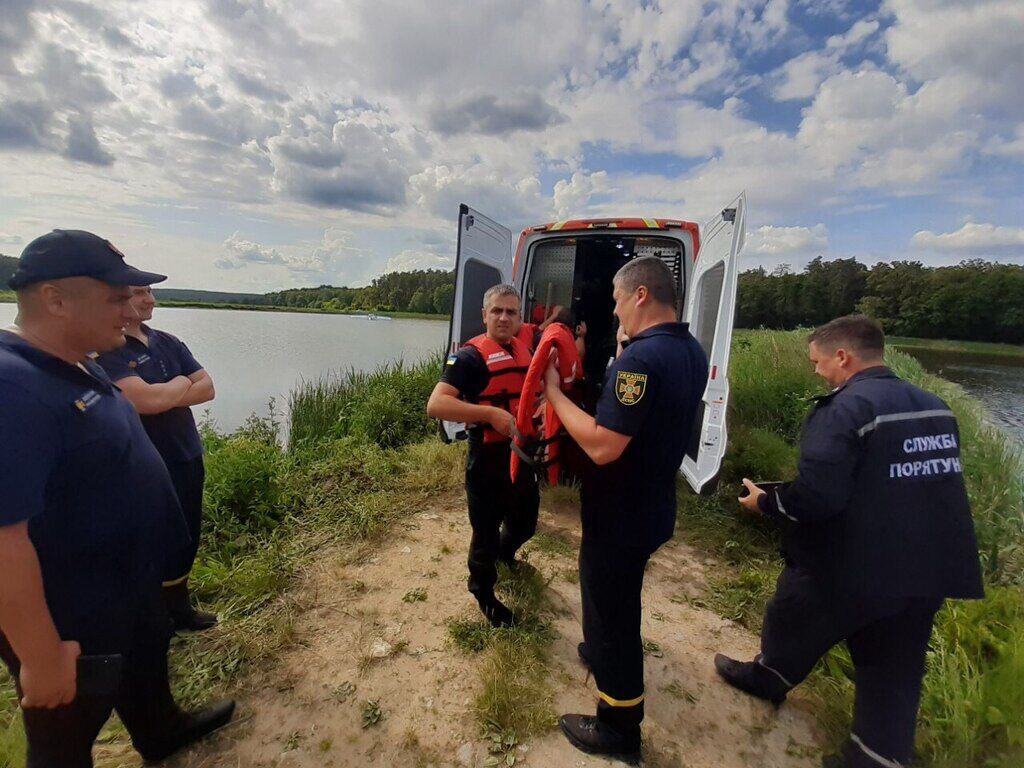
(190, 728)
(184, 616)
(751, 677)
(581, 651)
(590, 735)
(496, 612)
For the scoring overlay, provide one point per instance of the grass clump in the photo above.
(385, 406)
(972, 707)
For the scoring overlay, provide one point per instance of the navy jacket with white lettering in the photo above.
(879, 506)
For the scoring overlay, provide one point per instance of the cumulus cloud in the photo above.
(783, 241)
(241, 252)
(409, 260)
(82, 143)
(972, 237)
(574, 193)
(494, 116)
(7, 239)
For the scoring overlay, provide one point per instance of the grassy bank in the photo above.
(361, 452)
(965, 347)
(972, 711)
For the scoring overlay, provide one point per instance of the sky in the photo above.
(254, 145)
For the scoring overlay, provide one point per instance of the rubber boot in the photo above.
(751, 677)
(183, 615)
(496, 612)
(190, 728)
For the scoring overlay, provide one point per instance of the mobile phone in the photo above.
(99, 675)
(766, 486)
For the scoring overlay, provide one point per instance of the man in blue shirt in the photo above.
(161, 378)
(876, 534)
(636, 441)
(88, 507)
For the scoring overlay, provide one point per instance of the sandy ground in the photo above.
(358, 640)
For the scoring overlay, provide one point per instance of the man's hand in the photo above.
(552, 380)
(502, 421)
(51, 685)
(749, 502)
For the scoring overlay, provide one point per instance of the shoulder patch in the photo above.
(451, 360)
(630, 387)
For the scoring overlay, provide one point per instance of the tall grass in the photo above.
(972, 709)
(386, 406)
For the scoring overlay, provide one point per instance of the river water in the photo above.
(255, 356)
(997, 381)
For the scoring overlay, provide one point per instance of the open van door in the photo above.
(710, 311)
(483, 257)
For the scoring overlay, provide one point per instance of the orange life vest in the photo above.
(527, 334)
(556, 337)
(507, 371)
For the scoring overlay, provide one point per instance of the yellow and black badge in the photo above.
(630, 387)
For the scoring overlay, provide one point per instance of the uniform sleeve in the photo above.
(830, 450)
(189, 364)
(466, 371)
(629, 389)
(116, 365)
(29, 448)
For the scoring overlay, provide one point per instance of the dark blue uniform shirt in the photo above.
(76, 464)
(173, 432)
(879, 506)
(651, 393)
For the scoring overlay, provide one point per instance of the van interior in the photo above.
(576, 273)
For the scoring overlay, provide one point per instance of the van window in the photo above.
(478, 278)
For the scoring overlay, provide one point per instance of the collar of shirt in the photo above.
(663, 329)
(875, 372)
(87, 369)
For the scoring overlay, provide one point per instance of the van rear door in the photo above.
(710, 310)
(483, 258)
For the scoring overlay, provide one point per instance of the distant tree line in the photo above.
(973, 301)
(430, 291)
(8, 266)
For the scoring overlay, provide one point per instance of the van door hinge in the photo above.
(470, 221)
(729, 214)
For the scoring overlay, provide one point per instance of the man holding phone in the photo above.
(87, 512)
(876, 533)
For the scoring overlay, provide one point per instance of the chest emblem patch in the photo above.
(87, 400)
(630, 387)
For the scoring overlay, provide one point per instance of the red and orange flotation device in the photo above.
(537, 445)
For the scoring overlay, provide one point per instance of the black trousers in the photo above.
(63, 737)
(188, 478)
(611, 580)
(887, 639)
(503, 515)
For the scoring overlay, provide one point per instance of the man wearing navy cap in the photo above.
(88, 508)
(636, 442)
(161, 378)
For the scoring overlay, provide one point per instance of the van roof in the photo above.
(630, 223)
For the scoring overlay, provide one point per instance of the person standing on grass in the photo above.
(161, 378)
(877, 533)
(636, 442)
(480, 386)
(88, 511)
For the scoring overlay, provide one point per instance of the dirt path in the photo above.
(359, 640)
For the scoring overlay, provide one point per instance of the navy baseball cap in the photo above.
(74, 253)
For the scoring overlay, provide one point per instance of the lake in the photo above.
(254, 356)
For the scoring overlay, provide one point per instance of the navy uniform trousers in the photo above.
(188, 478)
(887, 639)
(503, 516)
(63, 737)
(611, 580)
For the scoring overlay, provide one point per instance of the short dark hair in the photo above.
(653, 274)
(859, 333)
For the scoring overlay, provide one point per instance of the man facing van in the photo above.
(161, 379)
(628, 497)
(480, 386)
(876, 532)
